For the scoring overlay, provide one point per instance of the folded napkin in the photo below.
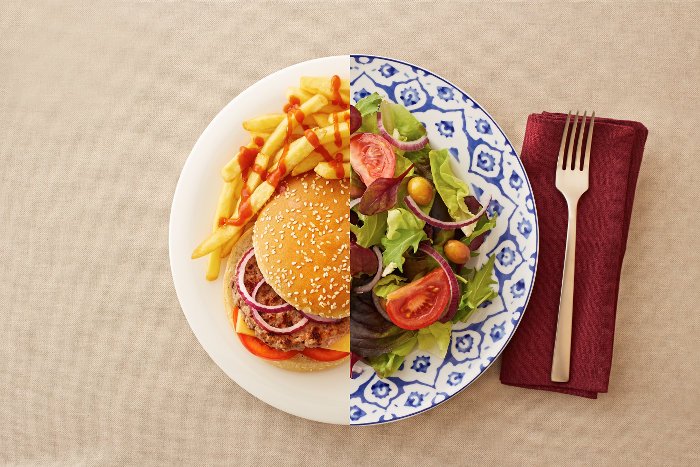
(603, 221)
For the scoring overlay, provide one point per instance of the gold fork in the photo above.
(572, 182)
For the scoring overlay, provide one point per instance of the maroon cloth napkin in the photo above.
(603, 221)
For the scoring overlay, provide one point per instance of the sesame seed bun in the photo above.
(301, 240)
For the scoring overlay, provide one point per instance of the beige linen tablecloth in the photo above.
(101, 104)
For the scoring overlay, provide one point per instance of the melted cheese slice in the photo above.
(341, 345)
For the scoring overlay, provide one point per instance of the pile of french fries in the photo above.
(315, 106)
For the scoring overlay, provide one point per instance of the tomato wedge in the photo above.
(420, 303)
(371, 157)
(262, 350)
(324, 355)
(259, 348)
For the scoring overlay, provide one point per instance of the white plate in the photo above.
(320, 396)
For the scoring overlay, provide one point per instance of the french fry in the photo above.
(314, 95)
(322, 84)
(233, 169)
(344, 138)
(223, 209)
(330, 108)
(301, 148)
(339, 116)
(276, 139)
(300, 94)
(214, 265)
(321, 119)
(226, 232)
(307, 164)
(326, 170)
(298, 151)
(255, 134)
(326, 138)
(315, 158)
(263, 123)
(319, 82)
(310, 121)
(346, 154)
(228, 246)
(332, 149)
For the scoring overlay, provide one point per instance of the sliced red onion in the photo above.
(288, 330)
(414, 145)
(415, 209)
(378, 275)
(247, 297)
(379, 307)
(321, 319)
(454, 286)
(354, 358)
(355, 119)
(355, 202)
(257, 288)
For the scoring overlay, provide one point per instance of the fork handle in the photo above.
(562, 343)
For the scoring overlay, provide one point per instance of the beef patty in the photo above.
(312, 335)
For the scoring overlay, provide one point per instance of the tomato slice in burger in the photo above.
(324, 355)
(420, 303)
(262, 350)
(371, 157)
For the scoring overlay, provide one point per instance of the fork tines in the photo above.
(568, 159)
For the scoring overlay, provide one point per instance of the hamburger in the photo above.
(287, 281)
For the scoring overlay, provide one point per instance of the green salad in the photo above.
(414, 227)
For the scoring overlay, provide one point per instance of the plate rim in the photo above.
(537, 231)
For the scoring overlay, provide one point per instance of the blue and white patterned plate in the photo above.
(484, 158)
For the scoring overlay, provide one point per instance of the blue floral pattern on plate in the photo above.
(488, 162)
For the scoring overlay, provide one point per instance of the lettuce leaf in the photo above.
(402, 163)
(370, 334)
(479, 289)
(385, 365)
(483, 225)
(371, 231)
(368, 107)
(452, 190)
(369, 104)
(404, 231)
(435, 338)
(421, 161)
(397, 117)
(388, 284)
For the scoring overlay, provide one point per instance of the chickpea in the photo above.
(420, 190)
(457, 252)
